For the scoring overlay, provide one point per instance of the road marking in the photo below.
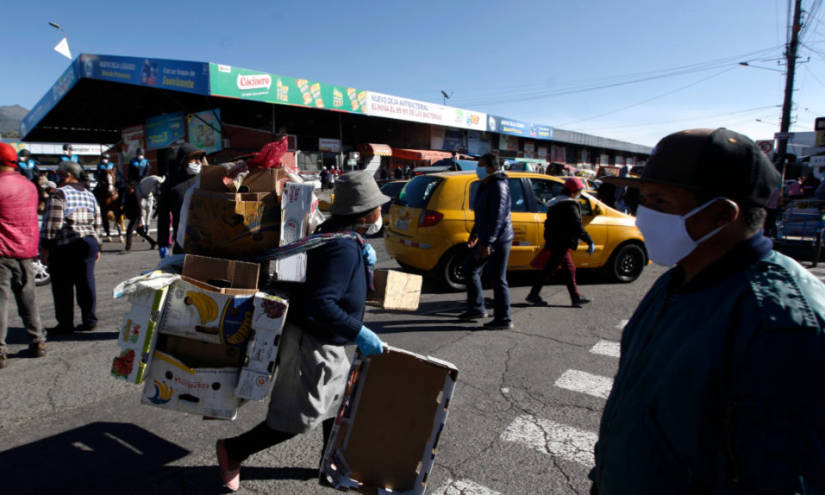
(606, 348)
(549, 437)
(586, 383)
(621, 324)
(464, 487)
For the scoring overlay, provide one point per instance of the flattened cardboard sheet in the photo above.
(387, 429)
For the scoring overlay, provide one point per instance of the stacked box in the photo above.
(396, 290)
(138, 332)
(366, 450)
(297, 202)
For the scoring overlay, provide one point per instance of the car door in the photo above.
(523, 222)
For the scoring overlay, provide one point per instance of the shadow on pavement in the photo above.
(96, 458)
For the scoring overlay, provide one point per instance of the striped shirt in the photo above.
(71, 213)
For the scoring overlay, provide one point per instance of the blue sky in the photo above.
(577, 65)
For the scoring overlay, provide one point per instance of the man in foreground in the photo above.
(18, 248)
(721, 381)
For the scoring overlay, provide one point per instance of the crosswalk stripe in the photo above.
(606, 348)
(464, 487)
(587, 383)
(549, 437)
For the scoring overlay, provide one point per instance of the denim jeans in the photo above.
(17, 277)
(496, 265)
(72, 267)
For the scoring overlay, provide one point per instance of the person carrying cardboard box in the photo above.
(190, 160)
(326, 313)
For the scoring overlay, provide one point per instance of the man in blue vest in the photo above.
(138, 167)
(68, 155)
(26, 164)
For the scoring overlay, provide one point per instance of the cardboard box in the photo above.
(264, 181)
(171, 384)
(387, 429)
(231, 225)
(269, 317)
(200, 354)
(396, 290)
(211, 178)
(138, 331)
(296, 205)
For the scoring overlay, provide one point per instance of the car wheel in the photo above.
(626, 263)
(41, 274)
(451, 272)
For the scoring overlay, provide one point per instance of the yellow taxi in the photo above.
(431, 219)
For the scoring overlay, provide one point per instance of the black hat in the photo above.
(24, 152)
(67, 147)
(187, 149)
(713, 162)
(139, 151)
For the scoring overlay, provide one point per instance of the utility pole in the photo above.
(790, 52)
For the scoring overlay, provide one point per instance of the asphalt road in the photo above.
(522, 420)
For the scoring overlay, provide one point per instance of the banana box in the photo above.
(138, 331)
(262, 349)
(171, 384)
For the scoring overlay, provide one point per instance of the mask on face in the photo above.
(105, 161)
(372, 228)
(194, 168)
(481, 172)
(140, 157)
(666, 236)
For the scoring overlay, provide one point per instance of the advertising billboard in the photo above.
(175, 75)
(503, 125)
(204, 129)
(50, 99)
(247, 84)
(395, 107)
(163, 130)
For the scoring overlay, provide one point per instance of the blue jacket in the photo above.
(721, 383)
(138, 169)
(492, 211)
(73, 158)
(331, 302)
(27, 168)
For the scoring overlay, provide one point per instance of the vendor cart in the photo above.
(803, 223)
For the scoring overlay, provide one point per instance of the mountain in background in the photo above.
(10, 117)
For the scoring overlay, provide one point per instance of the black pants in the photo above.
(263, 437)
(130, 227)
(72, 268)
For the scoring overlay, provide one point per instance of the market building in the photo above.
(155, 104)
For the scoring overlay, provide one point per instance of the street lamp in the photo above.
(445, 97)
(62, 47)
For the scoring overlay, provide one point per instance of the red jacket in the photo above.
(18, 216)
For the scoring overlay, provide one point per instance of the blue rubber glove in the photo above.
(369, 255)
(368, 342)
(163, 251)
(590, 248)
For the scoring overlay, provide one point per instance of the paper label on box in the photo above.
(253, 385)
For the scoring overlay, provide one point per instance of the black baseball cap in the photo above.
(711, 162)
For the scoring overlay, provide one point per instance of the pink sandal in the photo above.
(231, 477)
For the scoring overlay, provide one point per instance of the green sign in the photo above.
(248, 84)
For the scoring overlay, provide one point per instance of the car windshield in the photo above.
(417, 192)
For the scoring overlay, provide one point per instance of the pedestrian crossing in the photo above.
(561, 441)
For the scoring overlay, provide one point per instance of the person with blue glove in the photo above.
(562, 230)
(326, 313)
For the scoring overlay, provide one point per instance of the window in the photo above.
(545, 191)
(586, 207)
(518, 203)
(418, 191)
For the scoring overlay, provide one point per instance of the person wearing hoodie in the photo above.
(490, 241)
(189, 162)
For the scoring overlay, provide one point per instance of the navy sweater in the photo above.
(331, 305)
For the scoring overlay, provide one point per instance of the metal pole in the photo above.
(785, 125)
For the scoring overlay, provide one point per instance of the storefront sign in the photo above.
(246, 84)
(132, 138)
(512, 127)
(174, 75)
(205, 130)
(330, 145)
(394, 107)
(163, 130)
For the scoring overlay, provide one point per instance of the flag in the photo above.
(63, 48)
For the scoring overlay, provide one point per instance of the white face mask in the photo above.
(372, 228)
(140, 157)
(666, 236)
(194, 168)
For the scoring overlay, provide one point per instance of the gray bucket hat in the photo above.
(356, 192)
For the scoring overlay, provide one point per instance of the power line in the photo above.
(648, 100)
(702, 117)
(639, 77)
